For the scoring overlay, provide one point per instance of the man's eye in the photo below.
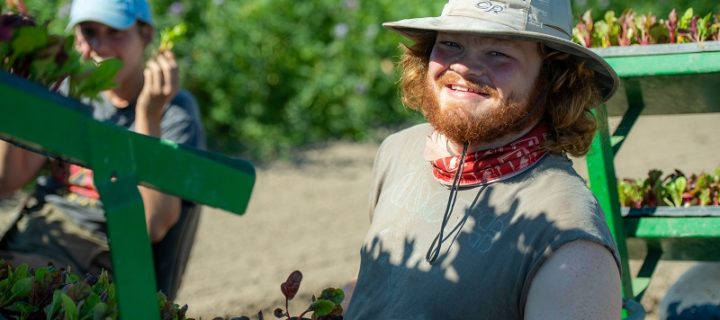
(497, 54)
(450, 44)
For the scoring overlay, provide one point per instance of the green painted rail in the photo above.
(655, 81)
(122, 160)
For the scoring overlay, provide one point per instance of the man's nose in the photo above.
(471, 68)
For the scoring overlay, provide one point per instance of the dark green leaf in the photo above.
(100, 311)
(29, 39)
(333, 294)
(322, 307)
(54, 306)
(22, 288)
(71, 312)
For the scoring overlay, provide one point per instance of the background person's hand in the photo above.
(162, 83)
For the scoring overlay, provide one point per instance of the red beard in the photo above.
(512, 116)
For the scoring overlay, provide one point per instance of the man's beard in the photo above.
(511, 116)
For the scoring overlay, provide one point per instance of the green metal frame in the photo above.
(661, 234)
(122, 160)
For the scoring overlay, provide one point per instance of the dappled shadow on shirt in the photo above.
(488, 258)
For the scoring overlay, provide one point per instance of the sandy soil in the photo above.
(312, 216)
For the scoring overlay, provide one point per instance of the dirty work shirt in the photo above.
(494, 243)
(180, 123)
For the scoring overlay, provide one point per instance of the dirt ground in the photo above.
(312, 216)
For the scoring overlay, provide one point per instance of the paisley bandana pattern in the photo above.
(489, 165)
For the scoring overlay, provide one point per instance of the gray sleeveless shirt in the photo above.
(496, 240)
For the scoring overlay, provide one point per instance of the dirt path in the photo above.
(313, 217)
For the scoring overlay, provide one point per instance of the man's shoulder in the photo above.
(416, 132)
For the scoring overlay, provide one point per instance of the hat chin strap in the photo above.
(434, 250)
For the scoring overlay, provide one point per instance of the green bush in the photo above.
(273, 74)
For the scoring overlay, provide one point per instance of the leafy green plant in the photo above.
(169, 36)
(675, 189)
(643, 29)
(30, 51)
(51, 293)
(326, 307)
(271, 75)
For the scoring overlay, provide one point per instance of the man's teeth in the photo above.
(458, 88)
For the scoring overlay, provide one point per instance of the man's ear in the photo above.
(147, 32)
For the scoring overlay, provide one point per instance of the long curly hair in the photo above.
(573, 93)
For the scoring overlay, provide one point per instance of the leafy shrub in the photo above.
(273, 74)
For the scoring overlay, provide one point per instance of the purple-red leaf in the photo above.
(291, 286)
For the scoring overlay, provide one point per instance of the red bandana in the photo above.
(490, 165)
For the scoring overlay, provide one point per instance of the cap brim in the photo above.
(116, 21)
(417, 28)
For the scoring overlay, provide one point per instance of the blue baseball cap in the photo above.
(118, 14)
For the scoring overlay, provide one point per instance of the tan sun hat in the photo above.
(545, 21)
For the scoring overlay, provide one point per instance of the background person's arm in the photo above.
(17, 167)
(579, 281)
(162, 211)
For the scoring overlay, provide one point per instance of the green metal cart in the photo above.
(121, 160)
(656, 79)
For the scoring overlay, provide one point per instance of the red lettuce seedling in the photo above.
(627, 28)
(583, 32)
(327, 307)
(672, 25)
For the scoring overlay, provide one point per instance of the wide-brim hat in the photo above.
(545, 21)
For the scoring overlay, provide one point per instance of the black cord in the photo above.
(434, 250)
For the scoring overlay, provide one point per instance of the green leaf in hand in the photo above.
(169, 36)
(96, 80)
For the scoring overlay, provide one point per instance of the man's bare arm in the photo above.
(579, 281)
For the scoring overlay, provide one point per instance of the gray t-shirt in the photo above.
(180, 123)
(496, 240)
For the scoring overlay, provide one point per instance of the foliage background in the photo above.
(272, 75)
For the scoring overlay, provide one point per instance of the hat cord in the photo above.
(434, 250)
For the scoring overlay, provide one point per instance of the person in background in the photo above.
(478, 214)
(63, 221)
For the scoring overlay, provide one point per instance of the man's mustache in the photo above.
(451, 78)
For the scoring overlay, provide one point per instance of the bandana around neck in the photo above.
(489, 165)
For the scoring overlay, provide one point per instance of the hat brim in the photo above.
(414, 29)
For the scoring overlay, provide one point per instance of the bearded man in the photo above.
(478, 214)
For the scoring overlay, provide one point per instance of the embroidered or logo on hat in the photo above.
(489, 6)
